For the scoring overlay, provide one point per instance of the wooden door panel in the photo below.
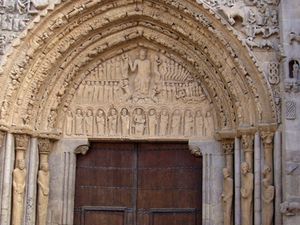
(138, 184)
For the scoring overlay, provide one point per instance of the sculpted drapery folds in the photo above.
(246, 194)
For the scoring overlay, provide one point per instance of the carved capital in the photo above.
(195, 150)
(247, 142)
(228, 146)
(22, 141)
(267, 138)
(44, 146)
(82, 149)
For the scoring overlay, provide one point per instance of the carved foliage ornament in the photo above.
(44, 146)
(247, 143)
(228, 146)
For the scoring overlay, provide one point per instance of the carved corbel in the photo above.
(247, 144)
(82, 149)
(294, 37)
(290, 208)
(195, 151)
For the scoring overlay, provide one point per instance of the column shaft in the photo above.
(257, 180)
(237, 181)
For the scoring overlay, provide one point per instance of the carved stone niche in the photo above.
(137, 94)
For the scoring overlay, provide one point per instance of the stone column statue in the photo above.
(19, 178)
(43, 193)
(247, 142)
(227, 196)
(247, 194)
(43, 181)
(267, 197)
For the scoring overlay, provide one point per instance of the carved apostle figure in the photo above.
(176, 123)
(199, 120)
(43, 193)
(100, 122)
(89, 122)
(139, 121)
(267, 197)
(79, 122)
(188, 123)
(246, 194)
(143, 67)
(125, 66)
(152, 122)
(69, 123)
(112, 119)
(295, 71)
(227, 196)
(19, 178)
(125, 122)
(164, 122)
(208, 124)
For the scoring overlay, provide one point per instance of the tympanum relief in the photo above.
(140, 93)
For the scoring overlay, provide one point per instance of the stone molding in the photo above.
(82, 149)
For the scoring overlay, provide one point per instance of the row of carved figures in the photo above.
(109, 91)
(138, 122)
(120, 67)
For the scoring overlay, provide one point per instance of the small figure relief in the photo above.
(176, 123)
(246, 193)
(89, 122)
(100, 122)
(268, 197)
(79, 122)
(125, 66)
(142, 79)
(124, 90)
(125, 122)
(43, 193)
(199, 121)
(153, 122)
(227, 196)
(69, 123)
(294, 69)
(188, 123)
(208, 125)
(112, 120)
(19, 178)
(51, 119)
(139, 122)
(164, 122)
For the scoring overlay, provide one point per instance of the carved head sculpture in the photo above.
(152, 112)
(124, 112)
(139, 111)
(164, 112)
(21, 164)
(113, 112)
(245, 168)
(79, 112)
(143, 54)
(89, 112)
(226, 172)
(199, 113)
(176, 112)
(267, 171)
(100, 113)
(69, 113)
(125, 56)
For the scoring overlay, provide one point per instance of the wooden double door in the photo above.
(138, 184)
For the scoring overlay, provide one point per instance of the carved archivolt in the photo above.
(46, 72)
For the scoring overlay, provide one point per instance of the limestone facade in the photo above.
(223, 75)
